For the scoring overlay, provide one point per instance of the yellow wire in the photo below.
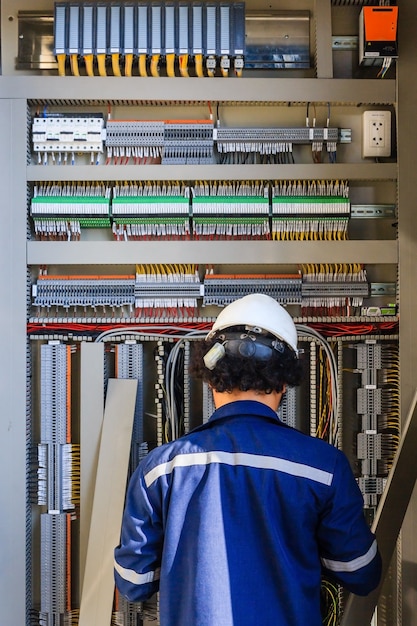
(61, 64)
(199, 65)
(88, 59)
(154, 65)
(101, 62)
(142, 65)
(184, 65)
(74, 65)
(128, 64)
(115, 64)
(170, 60)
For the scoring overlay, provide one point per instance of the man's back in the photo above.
(237, 515)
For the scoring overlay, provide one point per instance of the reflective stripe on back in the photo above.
(254, 461)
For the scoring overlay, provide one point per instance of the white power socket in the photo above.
(376, 134)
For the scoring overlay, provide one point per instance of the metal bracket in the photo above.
(345, 43)
(373, 210)
(383, 289)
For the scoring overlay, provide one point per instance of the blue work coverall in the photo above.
(236, 522)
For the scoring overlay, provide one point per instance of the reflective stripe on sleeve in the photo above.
(351, 566)
(133, 577)
(255, 461)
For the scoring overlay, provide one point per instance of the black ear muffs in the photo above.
(251, 347)
(248, 349)
(247, 346)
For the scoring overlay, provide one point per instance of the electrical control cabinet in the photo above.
(139, 202)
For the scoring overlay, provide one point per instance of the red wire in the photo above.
(99, 328)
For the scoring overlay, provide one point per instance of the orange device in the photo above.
(378, 34)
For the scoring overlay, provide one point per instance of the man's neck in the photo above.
(270, 399)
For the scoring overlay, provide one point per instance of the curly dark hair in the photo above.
(236, 372)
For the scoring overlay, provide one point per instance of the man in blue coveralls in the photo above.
(236, 522)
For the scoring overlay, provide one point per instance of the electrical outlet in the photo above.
(376, 134)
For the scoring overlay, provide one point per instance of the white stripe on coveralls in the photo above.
(135, 578)
(255, 461)
(351, 566)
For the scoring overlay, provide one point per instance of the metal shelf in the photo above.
(246, 91)
(202, 252)
(336, 171)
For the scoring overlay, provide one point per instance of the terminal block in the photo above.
(310, 210)
(369, 403)
(372, 488)
(369, 356)
(129, 364)
(161, 292)
(222, 289)
(333, 289)
(55, 557)
(60, 211)
(151, 210)
(87, 293)
(271, 140)
(237, 217)
(378, 409)
(134, 139)
(287, 408)
(188, 142)
(369, 445)
(230, 210)
(150, 218)
(310, 205)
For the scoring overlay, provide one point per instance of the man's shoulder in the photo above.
(312, 448)
(168, 451)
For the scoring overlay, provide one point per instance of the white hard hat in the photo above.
(258, 310)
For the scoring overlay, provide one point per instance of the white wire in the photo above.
(182, 334)
(143, 331)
